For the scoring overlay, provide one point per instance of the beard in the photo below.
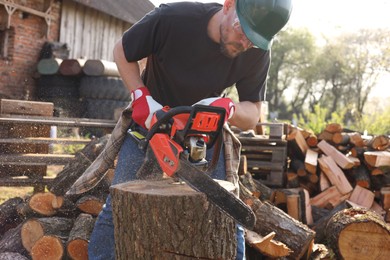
(229, 48)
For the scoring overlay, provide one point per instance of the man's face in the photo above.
(233, 40)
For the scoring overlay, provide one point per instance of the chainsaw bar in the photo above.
(219, 196)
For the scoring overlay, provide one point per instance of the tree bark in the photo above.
(9, 217)
(162, 217)
(77, 245)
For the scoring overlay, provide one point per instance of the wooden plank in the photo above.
(27, 159)
(59, 121)
(44, 140)
(311, 161)
(377, 158)
(362, 197)
(19, 182)
(22, 107)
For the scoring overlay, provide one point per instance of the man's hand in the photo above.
(225, 103)
(144, 106)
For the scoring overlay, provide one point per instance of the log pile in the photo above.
(335, 198)
(50, 224)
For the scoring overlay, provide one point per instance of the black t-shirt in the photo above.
(184, 65)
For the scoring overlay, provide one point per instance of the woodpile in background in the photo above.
(312, 195)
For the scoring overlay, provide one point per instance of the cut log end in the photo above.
(31, 232)
(48, 247)
(78, 249)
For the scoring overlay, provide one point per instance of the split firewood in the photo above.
(356, 139)
(341, 159)
(48, 247)
(324, 182)
(379, 143)
(311, 161)
(294, 234)
(325, 136)
(297, 145)
(358, 234)
(385, 198)
(90, 204)
(334, 128)
(11, 241)
(258, 189)
(12, 256)
(362, 197)
(77, 244)
(377, 158)
(361, 176)
(335, 175)
(329, 198)
(9, 217)
(266, 245)
(341, 138)
(35, 228)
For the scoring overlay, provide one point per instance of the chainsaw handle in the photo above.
(165, 118)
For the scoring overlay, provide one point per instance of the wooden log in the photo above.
(334, 128)
(358, 234)
(12, 256)
(297, 145)
(312, 141)
(329, 198)
(49, 66)
(324, 182)
(379, 143)
(377, 158)
(77, 244)
(385, 198)
(341, 138)
(90, 204)
(325, 136)
(258, 189)
(163, 216)
(341, 159)
(35, 228)
(100, 68)
(48, 247)
(361, 176)
(9, 217)
(72, 67)
(320, 224)
(294, 234)
(335, 175)
(11, 241)
(42, 203)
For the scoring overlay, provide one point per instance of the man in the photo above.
(194, 52)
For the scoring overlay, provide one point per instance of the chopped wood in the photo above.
(361, 176)
(266, 245)
(377, 158)
(42, 203)
(358, 234)
(312, 141)
(379, 143)
(311, 161)
(333, 128)
(341, 159)
(258, 189)
(11, 242)
(385, 198)
(297, 145)
(9, 217)
(48, 247)
(90, 204)
(341, 138)
(77, 244)
(325, 136)
(324, 182)
(335, 175)
(329, 198)
(362, 197)
(35, 228)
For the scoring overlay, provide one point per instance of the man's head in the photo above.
(252, 23)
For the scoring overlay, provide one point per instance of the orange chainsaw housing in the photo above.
(166, 147)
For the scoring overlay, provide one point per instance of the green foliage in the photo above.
(314, 121)
(375, 124)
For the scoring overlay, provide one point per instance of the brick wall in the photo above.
(26, 37)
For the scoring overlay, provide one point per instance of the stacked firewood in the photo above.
(51, 224)
(338, 184)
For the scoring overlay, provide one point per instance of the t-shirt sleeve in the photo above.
(252, 86)
(142, 39)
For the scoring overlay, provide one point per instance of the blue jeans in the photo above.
(102, 242)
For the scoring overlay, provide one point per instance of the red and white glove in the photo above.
(144, 106)
(225, 103)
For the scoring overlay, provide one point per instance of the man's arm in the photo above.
(129, 71)
(246, 115)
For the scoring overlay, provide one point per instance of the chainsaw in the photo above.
(176, 144)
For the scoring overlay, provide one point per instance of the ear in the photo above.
(228, 4)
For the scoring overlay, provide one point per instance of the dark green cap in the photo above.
(261, 20)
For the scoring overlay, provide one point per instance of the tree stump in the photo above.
(161, 219)
(356, 233)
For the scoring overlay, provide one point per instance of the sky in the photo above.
(328, 17)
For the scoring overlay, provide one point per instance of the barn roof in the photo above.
(127, 10)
